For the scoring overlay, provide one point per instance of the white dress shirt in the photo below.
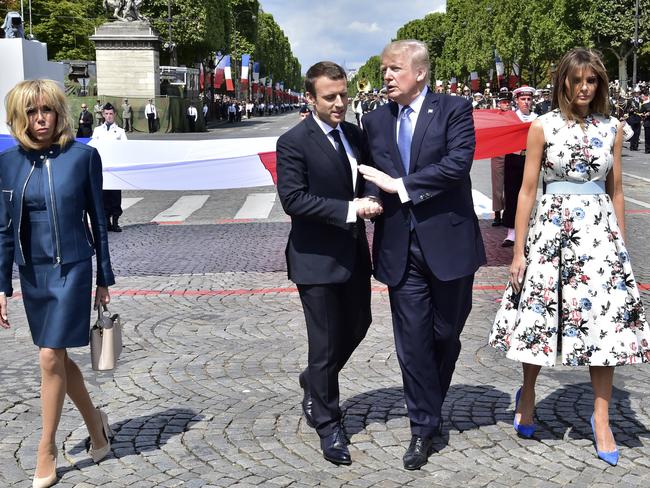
(352, 206)
(416, 106)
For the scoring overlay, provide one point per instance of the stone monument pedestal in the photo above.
(20, 60)
(127, 59)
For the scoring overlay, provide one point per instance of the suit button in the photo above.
(421, 197)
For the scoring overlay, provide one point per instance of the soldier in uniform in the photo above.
(127, 115)
(632, 116)
(544, 105)
(112, 198)
(496, 167)
(513, 165)
(98, 110)
(645, 116)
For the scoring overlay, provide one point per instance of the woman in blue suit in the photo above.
(50, 185)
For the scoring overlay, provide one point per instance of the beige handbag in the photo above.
(105, 341)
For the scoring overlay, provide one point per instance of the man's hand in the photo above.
(368, 208)
(379, 178)
(4, 319)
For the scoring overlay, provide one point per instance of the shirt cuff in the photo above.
(352, 213)
(401, 191)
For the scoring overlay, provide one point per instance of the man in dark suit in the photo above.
(85, 122)
(327, 252)
(427, 244)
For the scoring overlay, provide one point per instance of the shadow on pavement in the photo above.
(140, 434)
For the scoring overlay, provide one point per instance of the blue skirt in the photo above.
(57, 298)
(57, 303)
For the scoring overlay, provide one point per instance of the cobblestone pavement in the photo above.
(207, 395)
(207, 392)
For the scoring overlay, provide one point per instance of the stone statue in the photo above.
(13, 26)
(125, 10)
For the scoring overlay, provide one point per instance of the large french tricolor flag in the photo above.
(245, 62)
(215, 164)
(228, 73)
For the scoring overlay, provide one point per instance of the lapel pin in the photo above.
(430, 111)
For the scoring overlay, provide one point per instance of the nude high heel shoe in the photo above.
(99, 454)
(47, 481)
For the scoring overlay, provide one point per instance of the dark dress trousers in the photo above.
(428, 249)
(513, 178)
(327, 258)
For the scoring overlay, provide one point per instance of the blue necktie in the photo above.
(404, 137)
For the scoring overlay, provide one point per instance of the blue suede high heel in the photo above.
(521, 429)
(608, 457)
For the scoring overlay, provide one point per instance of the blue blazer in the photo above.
(73, 191)
(441, 209)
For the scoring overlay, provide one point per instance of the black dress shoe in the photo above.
(306, 400)
(497, 222)
(418, 452)
(507, 243)
(116, 225)
(335, 448)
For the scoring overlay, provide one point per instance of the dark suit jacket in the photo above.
(315, 189)
(86, 128)
(441, 209)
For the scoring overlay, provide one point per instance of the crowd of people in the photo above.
(233, 110)
(571, 295)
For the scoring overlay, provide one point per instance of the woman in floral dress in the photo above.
(572, 294)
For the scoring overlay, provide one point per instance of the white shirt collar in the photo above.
(325, 127)
(416, 105)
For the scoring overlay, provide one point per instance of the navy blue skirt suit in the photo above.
(48, 197)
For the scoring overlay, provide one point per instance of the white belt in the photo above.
(575, 188)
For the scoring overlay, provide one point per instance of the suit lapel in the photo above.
(354, 142)
(428, 111)
(328, 149)
(392, 138)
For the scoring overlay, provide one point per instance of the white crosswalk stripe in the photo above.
(259, 206)
(182, 208)
(637, 202)
(129, 202)
(256, 206)
(482, 205)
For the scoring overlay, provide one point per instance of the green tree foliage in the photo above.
(534, 35)
(274, 53)
(64, 25)
(611, 23)
(370, 71)
(199, 27)
(432, 30)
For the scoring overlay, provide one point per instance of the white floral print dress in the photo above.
(579, 300)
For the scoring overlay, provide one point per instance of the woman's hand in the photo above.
(4, 319)
(517, 271)
(102, 297)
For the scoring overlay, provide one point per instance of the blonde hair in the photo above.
(417, 50)
(28, 94)
(571, 64)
